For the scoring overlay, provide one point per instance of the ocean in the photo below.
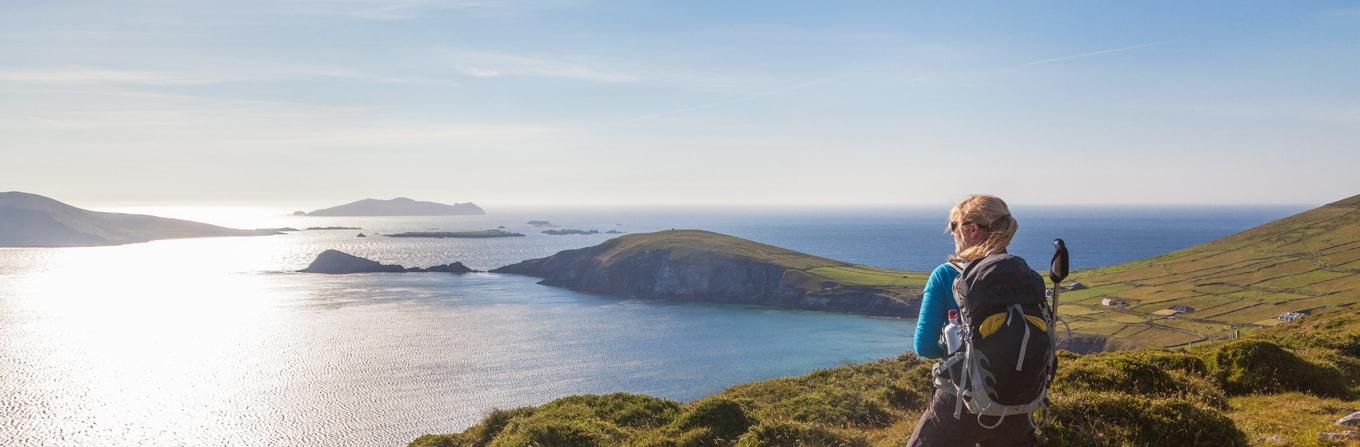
(217, 342)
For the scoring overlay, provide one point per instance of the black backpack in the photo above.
(1008, 352)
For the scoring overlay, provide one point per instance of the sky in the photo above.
(311, 103)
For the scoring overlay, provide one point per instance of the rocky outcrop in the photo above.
(686, 275)
(339, 262)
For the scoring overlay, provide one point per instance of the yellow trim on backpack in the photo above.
(994, 322)
(1037, 322)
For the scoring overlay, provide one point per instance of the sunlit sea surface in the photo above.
(215, 342)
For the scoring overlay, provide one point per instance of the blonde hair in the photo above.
(993, 217)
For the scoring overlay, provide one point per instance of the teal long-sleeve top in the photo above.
(938, 299)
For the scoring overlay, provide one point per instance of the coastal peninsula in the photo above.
(31, 220)
(703, 266)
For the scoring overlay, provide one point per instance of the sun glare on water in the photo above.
(129, 333)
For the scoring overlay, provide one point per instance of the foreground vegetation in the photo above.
(1283, 385)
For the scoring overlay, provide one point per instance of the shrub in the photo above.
(1259, 366)
(482, 433)
(1100, 419)
(835, 408)
(719, 417)
(539, 431)
(439, 441)
(794, 434)
(622, 409)
(1152, 373)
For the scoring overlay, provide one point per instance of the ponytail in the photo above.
(993, 217)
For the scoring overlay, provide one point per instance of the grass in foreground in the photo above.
(1278, 386)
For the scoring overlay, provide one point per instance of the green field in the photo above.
(1308, 262)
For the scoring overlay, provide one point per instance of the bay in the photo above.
(215, 341)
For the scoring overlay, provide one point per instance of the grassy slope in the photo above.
(1306, 262)
(1277, 386)
(806, 271)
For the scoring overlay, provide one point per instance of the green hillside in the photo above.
(813, 275)
(699, 243)
(1303, 263)
(1278, 386)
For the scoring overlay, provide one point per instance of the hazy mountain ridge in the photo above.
(400, 206)
(31, 220)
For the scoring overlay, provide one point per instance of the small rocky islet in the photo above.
(336, 262)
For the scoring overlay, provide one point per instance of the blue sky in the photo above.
(578, 102)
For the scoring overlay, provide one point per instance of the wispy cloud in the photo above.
(490, 65)
(93, 76)
(1098, 53)
(381, 9)
(383, 79)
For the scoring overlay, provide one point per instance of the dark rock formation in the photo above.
(399, 206)
(456, 267)
(338, 262)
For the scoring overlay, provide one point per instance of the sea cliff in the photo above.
(702, 266)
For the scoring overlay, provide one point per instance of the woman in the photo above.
(981, 225)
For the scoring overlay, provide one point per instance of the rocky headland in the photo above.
(702, 266)
(337, 262)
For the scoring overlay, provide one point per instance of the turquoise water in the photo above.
(213, 342)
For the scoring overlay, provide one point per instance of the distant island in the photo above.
(31, 220)
(458, 234)
(337, 262)
(695, 265)
(568, 231)
(400, 206)
(334, 228)
(540, 223)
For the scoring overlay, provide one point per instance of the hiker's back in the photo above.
(1002, 303)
